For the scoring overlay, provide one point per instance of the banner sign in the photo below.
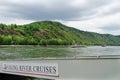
(44, 69)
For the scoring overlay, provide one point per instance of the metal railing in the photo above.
(69, 58)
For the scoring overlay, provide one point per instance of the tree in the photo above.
(7, 39)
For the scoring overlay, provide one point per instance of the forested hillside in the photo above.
(52, 33)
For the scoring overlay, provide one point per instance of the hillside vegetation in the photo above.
(51, 33)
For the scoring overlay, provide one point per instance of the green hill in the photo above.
(52, 33)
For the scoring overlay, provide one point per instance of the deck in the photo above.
(103, 67)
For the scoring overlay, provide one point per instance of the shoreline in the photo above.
(61, 45)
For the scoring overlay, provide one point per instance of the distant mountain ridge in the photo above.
(52, 33)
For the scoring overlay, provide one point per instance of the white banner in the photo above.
(44, 69)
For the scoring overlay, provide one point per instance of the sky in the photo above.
(101, 16)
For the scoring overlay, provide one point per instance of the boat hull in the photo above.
(77, 69)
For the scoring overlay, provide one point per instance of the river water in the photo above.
(24, 52)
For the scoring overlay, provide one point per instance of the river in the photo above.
(27, 51)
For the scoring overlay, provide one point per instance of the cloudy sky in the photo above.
(102, 16)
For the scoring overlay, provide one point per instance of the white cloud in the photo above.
(6, 20)
(88, 15)
(96, 24)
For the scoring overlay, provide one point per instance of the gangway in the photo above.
(103, 67)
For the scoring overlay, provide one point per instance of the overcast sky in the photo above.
(102, 16)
